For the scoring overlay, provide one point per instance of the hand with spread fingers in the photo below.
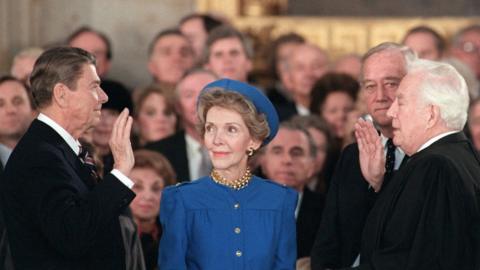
(120, 144)
(371, 151)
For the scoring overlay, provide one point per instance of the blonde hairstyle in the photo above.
(155, 161)
(256, 123)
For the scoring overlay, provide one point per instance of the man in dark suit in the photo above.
(350, 196)
(428, 217)
(185, 149)
(289, 159)
(16, 114)
(57, 215)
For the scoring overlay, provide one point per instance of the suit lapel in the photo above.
(53, 138)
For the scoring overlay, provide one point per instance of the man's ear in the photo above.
(434, 116)
(60, 95)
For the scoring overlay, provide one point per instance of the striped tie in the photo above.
(89, 162)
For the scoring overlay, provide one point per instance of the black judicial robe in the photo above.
(428, 217)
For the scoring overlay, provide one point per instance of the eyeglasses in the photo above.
(470, 47)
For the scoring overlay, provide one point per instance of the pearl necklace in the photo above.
(236, 184)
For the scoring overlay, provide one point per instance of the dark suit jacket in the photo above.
(308, 221)
(285, 107)
(174, 148)
(56, 217)
(347, 205)
(428, 217)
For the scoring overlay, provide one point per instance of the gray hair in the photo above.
(441, 85)
(407, 53)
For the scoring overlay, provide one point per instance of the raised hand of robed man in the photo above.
(371, 151)
(120, 144)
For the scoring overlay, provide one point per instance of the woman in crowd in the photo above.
(333, 97)
(230, 219)
(154, 114)
(151, 173)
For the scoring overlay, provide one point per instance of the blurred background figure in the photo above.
(118, 99)
(333, 97)
(95, 43)
(474, 123)
(170, 56)
(155, 115)
(465, 46)
(228, 54)
(151, 173)
(185, 149)
(279, 52)
(327, 150)
(304, 66)
(16, 114)
(350, 64)
(196, 28)
(289, 160)
(425, 42)
(23, 62)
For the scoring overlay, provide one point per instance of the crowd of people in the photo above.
(370, 159)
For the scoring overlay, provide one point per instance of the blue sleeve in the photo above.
(173, 243)
(286, 256)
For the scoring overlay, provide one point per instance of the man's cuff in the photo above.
(125, 180)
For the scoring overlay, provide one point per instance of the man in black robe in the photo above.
(428, 217)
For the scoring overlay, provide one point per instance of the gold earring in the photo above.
(250, 151)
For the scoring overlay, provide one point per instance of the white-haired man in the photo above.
(428, 217)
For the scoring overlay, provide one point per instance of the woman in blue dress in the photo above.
(230, 219)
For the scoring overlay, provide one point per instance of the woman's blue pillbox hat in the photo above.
(259, 100)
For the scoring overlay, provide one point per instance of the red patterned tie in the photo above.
(89, 162)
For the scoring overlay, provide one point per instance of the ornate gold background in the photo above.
(337, 35)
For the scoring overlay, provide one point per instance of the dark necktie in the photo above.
(390, 159)
(88, 162)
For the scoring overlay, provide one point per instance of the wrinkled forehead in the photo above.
(381, 65)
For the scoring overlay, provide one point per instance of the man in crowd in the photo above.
(425, 42)
(228, 54)
(289, 159)
(58, 215)
(304, 66)
(350, 196)
(466, 47)
(185, 149)
(16, 114)
(428, 216)
(170, 56)
(196, 28)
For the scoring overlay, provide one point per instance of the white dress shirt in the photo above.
(75, 146)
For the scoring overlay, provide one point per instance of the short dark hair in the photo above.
(102, 36)
(209, 22)
(440, 43)
(291, 37)
(160, 35)
(331, 83)
(224, 32)
(10, 78)
(57, 65)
